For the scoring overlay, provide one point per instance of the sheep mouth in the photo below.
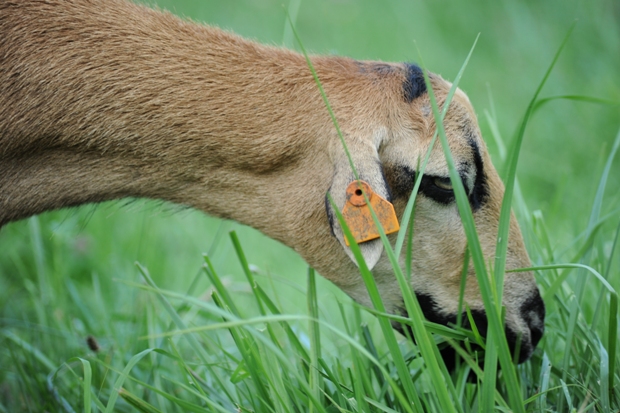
(521, 345)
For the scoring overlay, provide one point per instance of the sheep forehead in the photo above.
(461, 131)
(411, 152)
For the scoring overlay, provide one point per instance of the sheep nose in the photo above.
(521, 343)
(533, 313)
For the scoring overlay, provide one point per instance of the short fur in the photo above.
(104, 99)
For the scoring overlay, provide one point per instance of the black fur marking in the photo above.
(330, 216)
(433, 314)
(480, 192)
(400, 179)
(414, 85)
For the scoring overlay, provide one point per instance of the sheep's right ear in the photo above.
(370, 171)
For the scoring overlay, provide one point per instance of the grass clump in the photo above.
(225, 355)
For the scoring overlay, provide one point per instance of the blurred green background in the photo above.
(563, 154)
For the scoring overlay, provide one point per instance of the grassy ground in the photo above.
(69, 275)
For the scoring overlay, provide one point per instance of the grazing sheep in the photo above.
(106, 99)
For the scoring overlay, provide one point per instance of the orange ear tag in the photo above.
(357, 214)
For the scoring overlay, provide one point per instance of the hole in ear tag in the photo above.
(356, 213)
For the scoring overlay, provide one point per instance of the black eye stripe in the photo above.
(401, 180)
(480, 193)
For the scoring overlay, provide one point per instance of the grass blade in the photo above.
(122, 377)
(315, 337)
(88, 378)
(578, 98)
(509, 179)
(489, 294)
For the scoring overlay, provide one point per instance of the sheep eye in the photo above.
(437, 188)
(443, 184)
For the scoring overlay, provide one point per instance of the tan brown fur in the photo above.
(104, 99)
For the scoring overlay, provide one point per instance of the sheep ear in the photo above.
(370, 171)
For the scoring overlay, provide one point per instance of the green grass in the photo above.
(215, 322)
